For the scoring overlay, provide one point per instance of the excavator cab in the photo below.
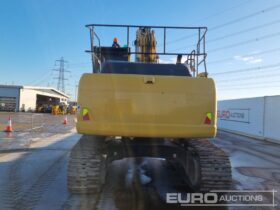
(104, 54)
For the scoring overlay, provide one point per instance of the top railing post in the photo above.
(198, 51)
(127, 36)
(91, 30)
(164, 39)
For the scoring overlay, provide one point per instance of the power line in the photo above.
(246, 55)
(233, 34)
(244, 31)
(224, 11)
(80, 64)
(61, 74)
(43, 78)
(246, 84)
(35, 82)
(269, 9)
(251, 87)
(208, 17)
(248, 78)
(179, 39)
(259, 68)
(246, 42)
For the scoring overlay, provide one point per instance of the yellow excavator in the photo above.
(144, 108)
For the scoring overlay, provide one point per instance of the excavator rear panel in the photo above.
(147, 106)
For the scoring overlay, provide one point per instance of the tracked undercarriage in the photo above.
(206, 167)
(86, 166)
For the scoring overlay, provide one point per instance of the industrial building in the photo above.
(28, 98)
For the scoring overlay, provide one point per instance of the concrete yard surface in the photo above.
(29, 127)
(35, 178)
(27, 121)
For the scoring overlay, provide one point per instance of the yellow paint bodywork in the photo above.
(128, 105)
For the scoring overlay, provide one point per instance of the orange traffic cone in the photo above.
(65, 121)
(9, 127)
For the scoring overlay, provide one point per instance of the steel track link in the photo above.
(84, 171)
(214, 163)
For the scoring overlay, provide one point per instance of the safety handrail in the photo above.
(198, 56)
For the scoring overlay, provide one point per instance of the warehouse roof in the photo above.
(42, 89)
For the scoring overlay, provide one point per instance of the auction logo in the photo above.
(237, 115)
(224, 198)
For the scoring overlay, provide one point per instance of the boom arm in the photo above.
(145, 45)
